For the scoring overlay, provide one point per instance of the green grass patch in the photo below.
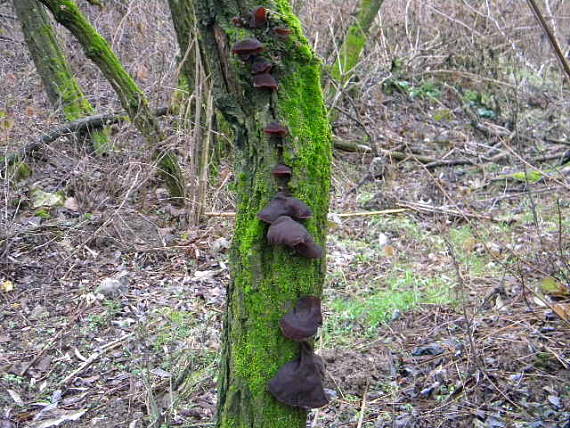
(360, 316)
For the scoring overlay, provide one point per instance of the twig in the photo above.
(94, 357)
(39, 354)
(362, 407)
(550, 35)
(79, 126)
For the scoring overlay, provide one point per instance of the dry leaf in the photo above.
(562, 310)
(7, 286)
(389, 251)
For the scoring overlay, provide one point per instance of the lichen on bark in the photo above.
(266, 281)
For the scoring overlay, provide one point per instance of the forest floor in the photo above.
(447, 300)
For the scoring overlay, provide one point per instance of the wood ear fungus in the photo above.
(286, 231)
(282, 171)
(265, 81)
(261, 65)
(302, 322)
(283, 205)
(275, 128)
(298, 383)
(282, 32)
(258, 17)
(247, 47)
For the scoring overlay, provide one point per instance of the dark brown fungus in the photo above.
(298, 383)
(310, 250)
(261, 65)
(247, 47)
(282, 171)
(258, 17)
(283, 205)
(275, 128)
(302, 322)
(265, 81)
(282, 32)
(286, 231)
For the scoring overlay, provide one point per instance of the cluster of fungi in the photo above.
(298, 383)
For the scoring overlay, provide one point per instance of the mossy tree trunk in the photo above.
(184, 21)
(351, 48)
(132, 98)
(62, 89)
(266, 281)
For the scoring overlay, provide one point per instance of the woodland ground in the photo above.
(451, 311)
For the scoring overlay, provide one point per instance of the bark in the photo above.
(62, 89)
(133, 100)
(266, 281)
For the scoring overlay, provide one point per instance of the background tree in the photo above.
(266, 280)
(62, 89)
(133, 100)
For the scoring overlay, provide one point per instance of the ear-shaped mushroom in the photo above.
(283, 205)
(286, 231)
(247, 47)
(302, 322)
(282, 32)
(275, 128)
(298, 383)
(261, 65)
(258, 17)
(264, 81)
(282, 171)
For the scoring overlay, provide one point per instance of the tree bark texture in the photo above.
(62, 89)
(132, 98)
(266, 281)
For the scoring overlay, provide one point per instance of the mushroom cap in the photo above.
(302, 322)
(286, 231)
(281, 171)
(265, 81)
(298, 383)
(283, 205)
(258, 17)
(261, 65)
(282, 32)
(275, 128)
(247, 47)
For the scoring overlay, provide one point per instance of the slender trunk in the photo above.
(266, 280)
(355, 39)
(132, 98)
(193, 95)
(63, 90)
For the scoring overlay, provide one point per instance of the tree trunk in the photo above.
(355, 39)
(62, 88)
(184, 21)
(133, 100)
(266, 280)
